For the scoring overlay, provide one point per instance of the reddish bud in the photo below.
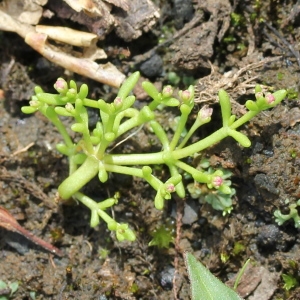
(205, 113)
(185, 95)
(170, 188)
(61, 86)
(167, 91)
(118, 102)
(270, 98)
(217, 181)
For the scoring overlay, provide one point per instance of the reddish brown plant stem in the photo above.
(8, 222)
(179, 214)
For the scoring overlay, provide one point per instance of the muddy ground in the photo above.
(193, 42)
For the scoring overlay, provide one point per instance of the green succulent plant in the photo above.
(89, 156)
(219, 199)
(281, 218)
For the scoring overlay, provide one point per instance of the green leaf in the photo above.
(64, 149)
(225, 189)
(146, 114)
(251, 105)
(128, 102)
(50, 99)
(258, 88)
(102, 174)
(3, 285)
(204, 285)
(79, 158)
(38, 90)
(107, 203)
(150, 89)
(159, 200)
(94, 218)
(62, 111)
(109, 136)
(279, 96)
(123, 232)
(128, 85)
(73, 85)
(78, 127)
(231, 120)
(289, 281)
(225, 106)
(171, 102)
(240, 138)
(28, 109)
(83, 92)
(13, 287)
(103, 106)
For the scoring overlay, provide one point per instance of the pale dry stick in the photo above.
(8, 23)
(8, 222)
(251, 36)
(69, 36)
(126, 138)
(107, 73)
(89, 245)
(208, 86)
(52, 261)
(23, 149)
(6, 71)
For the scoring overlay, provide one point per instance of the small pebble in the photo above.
(268, 236)
(190, 214)
(166, 278)
(152, 67)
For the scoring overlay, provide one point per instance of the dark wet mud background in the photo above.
(216, 44)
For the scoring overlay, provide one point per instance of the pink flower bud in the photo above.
(205, 113)
(167, 91)
(118, 102)
(185, 95)
(61, 86)
(217, 181)
(270, 98)
(170, 188)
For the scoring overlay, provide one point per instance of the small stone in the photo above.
(166, 278)
(190, 214)
(152, 67)
(268, 236)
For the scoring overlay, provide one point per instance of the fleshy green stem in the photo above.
(87, 171)
(244, 119)
(158, 157)
(185, 111)
(52, 116)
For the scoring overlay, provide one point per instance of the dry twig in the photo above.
(8, 222)
(233, 81)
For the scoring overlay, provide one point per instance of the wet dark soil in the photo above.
(201, 42)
